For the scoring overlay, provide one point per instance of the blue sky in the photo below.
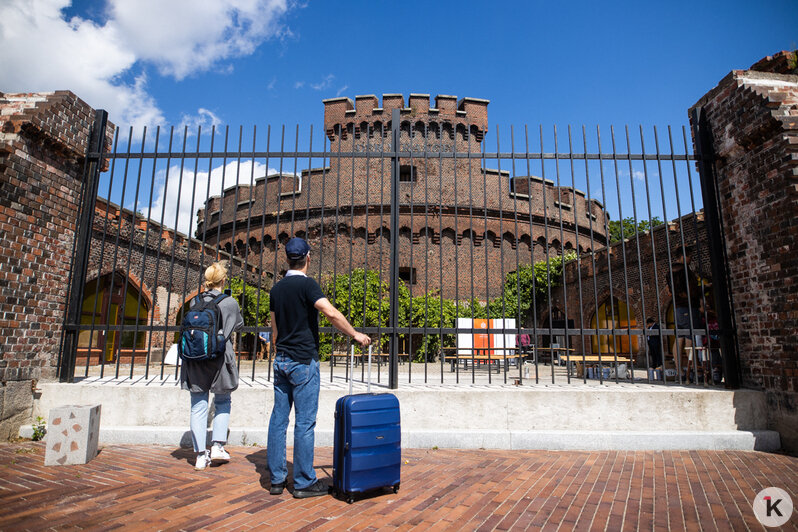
(271, 62)
(537, 62)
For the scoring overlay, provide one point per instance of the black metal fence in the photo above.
(553, 255)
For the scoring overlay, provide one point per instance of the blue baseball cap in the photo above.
(296, 248)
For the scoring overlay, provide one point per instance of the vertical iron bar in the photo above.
(171, 268)
(532, 253)
(724, 303)
(609, 263)
(623, 254)
(684, 254)
(677, 359)
(545, 197)
(254, 345)
(661, 338)
(393, 358)
(594, 270)
(158, 243)
(562, 246)
(578, 255)
(188, 264)
(97, 284)
(639, 259)
(80, 251)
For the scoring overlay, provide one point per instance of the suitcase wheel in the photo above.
(350, 499)
(396, 488)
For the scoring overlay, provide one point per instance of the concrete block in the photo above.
(72, 434)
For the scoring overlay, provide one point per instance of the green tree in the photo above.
(254, 309)
(623, 229)
(365, 300)
(432, 312)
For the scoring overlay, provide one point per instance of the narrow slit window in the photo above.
(407, 173)
(408, 275)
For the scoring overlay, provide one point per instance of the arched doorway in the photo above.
(102, 305)
(615, 316)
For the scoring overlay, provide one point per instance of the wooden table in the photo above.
(581, 361)
(546, 354)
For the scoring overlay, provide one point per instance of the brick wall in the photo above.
(43, 139)
(753, 117)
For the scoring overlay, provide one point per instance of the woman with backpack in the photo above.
(206, 373)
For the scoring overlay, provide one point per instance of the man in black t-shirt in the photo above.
(295, 303)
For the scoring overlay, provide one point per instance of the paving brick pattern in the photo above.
(155, 488)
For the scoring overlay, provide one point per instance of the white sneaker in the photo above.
(219, 455)
(203, 461)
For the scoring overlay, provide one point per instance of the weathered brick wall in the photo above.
(43, 139)
(635, 272)
(753, 117)
(164, 266)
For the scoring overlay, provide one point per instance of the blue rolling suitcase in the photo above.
(367, 452)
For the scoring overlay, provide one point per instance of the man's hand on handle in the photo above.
(363, 339)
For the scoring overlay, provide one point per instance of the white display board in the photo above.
(500, 344)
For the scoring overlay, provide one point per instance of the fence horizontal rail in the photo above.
(432, 155)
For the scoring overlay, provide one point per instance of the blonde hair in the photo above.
(216, 275)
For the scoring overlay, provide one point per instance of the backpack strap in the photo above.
(218, 298)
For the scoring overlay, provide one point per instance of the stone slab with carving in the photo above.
(72, 434)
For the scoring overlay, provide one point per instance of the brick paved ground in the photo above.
(154, 487)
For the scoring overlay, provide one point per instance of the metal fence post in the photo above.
(393, 357)
(80, 251)
(705, 154)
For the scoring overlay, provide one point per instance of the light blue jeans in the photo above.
(295, 385)
(199, 418)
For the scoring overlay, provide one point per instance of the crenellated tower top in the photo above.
(468, 115)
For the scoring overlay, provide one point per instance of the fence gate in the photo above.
(469, 254)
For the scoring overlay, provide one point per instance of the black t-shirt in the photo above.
(297, 320)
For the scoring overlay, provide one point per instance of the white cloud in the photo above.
(341, 90)
(324, 83)
(40, 50)
(185, 36)
(204, 118)
(299, 84)
(176, 193)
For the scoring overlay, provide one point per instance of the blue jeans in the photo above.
(199, 418)
(296, 385)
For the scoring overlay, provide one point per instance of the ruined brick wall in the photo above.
(43, 139)
(635, 272)
(753, 117)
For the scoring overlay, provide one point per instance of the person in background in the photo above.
(686, 294)
(218, 375)
(265, 338)
(295, 304)
(654, 345)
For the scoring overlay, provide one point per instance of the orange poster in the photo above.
(482, 342)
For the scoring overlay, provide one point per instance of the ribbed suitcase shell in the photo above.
(367, 450)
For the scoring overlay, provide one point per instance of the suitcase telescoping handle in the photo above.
(352, 369)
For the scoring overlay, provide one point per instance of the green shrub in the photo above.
(39, 428)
